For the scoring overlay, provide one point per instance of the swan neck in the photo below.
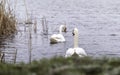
(60, 30)
(76, 40)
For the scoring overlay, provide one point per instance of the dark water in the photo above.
(98, 22)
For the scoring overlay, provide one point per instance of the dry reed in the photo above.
(35, 26)
(45, 26)
(7, 19)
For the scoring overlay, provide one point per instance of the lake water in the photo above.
(98, 22)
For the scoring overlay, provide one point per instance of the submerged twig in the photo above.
(15, 56)
(30, 44)
(2, 57)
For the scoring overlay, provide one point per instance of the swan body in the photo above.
(76, 50)
(79, 51)
(55, 38)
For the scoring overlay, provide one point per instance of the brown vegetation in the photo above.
(7, 19)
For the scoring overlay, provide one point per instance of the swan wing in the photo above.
(69, 52)
(81, 52)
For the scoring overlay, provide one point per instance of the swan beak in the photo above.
(65, 30)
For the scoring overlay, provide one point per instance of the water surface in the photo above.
(98, 22)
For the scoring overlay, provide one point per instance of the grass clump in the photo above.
(7, 19)
(64, 66)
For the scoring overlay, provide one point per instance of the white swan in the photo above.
(76, 50)
(55, 38)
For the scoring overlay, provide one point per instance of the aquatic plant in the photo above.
(64, 66)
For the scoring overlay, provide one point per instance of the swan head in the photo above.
(63, 28)
(75, 31)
